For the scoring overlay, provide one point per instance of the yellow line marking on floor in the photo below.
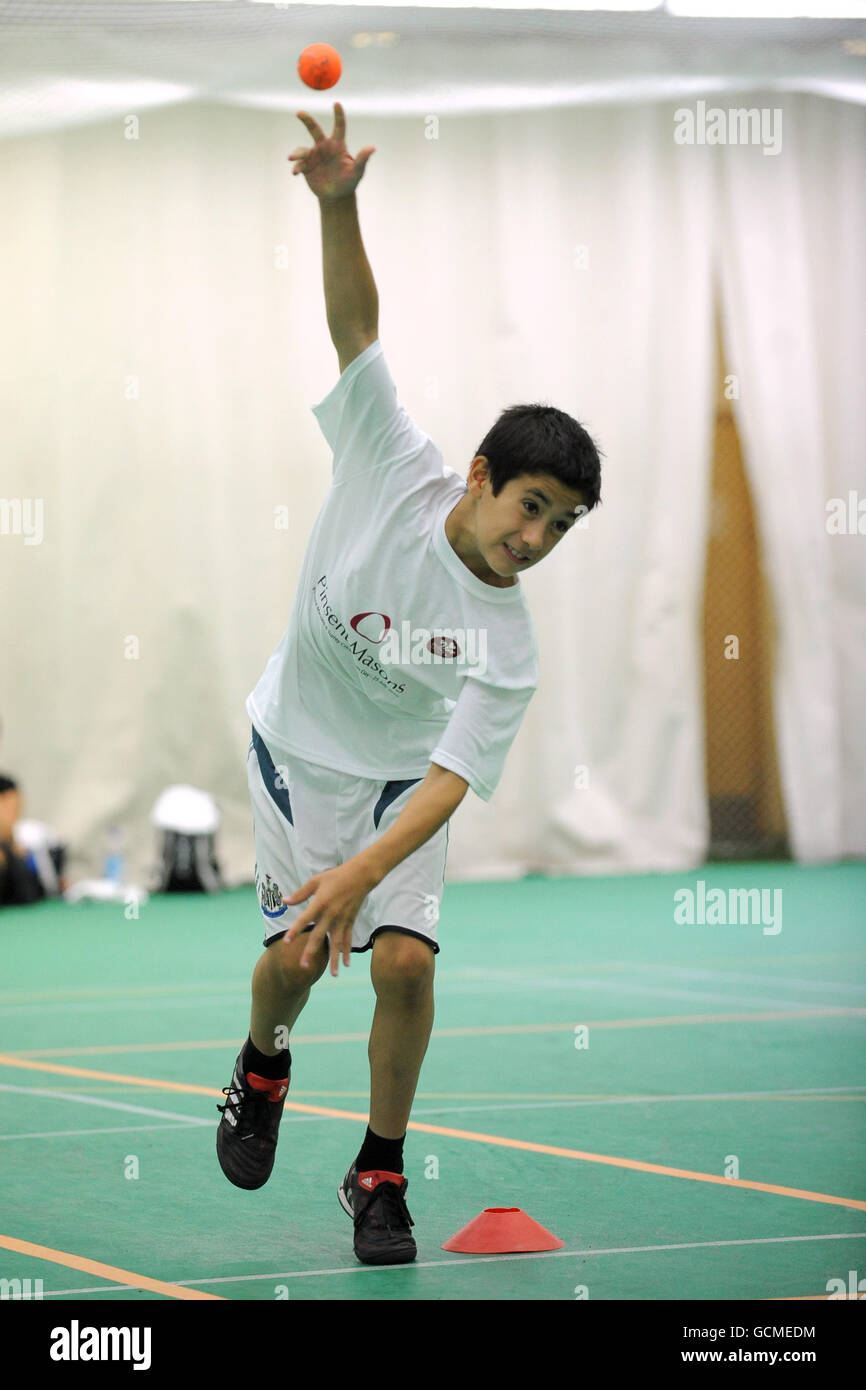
(114, 1089)
(638, 1166)
(797, 1298)
(180, 1087)
(813, 1298)
(668, 1021)
(103, 1271)
(476, 1137)
(241, 983)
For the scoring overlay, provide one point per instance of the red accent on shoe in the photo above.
(371, 1179)
(275, 1090)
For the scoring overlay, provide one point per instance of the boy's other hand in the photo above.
(337, 895)
(329, 169)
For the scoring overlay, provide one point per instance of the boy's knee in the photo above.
(400, 962)
(287, 959)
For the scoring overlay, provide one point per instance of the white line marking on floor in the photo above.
(806, 1012)
(686, 972)
(623, 988)
(641, 1100)
(495, 982)
(77, 1133)
(107, 1104)
(122, 1005)
(289, 1118)
(466, 1260)
(33, 996)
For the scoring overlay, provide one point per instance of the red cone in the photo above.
(502, 1231)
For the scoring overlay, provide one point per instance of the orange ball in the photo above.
(320, 66)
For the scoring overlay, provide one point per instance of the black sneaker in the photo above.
(249, 1128)
(375, 1202)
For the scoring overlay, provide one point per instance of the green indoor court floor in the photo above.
(682, 1105)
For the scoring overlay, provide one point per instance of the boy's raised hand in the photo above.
(329, 169)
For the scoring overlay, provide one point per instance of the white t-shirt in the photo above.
(396, 654)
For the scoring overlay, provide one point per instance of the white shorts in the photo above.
(307, 819)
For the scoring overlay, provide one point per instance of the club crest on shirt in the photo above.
(446, 647)
(420, 646)
(270, 896)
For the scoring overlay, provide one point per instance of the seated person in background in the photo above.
(19, 883)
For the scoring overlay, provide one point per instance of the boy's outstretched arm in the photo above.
(428, 808)
(337, 894)
(351, 297)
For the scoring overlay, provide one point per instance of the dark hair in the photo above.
(541, 439)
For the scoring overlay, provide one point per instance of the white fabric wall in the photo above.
(164, 338)
(791, 234)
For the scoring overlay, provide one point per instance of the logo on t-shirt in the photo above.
(369, 625)
(357, 646)
(373, 630)
(411, 646)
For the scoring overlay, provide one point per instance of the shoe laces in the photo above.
(249, 1107)
(389, 1197)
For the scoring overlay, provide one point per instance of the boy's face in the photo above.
(517, 529)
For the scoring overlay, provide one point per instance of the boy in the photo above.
(19, 879)
(400, 682)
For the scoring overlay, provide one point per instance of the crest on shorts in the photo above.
(270, 896)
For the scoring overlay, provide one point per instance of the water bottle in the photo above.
(113, 870)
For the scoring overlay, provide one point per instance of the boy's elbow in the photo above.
(458, 785)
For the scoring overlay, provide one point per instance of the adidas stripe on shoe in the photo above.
(248, 1131)
(376, 1203)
